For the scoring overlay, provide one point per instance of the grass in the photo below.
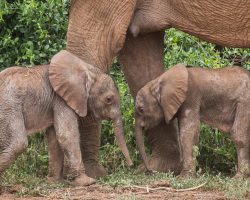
(30, 185)
(232, 188)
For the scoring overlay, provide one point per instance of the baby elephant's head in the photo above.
(159, 99)
(88, 91)
(104, 101)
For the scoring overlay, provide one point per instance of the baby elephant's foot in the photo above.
(187, 174)
(83, 180)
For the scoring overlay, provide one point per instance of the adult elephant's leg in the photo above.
(142, 61)
(96, 32)
(90, 143)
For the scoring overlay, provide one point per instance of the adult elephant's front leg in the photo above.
(142, 61)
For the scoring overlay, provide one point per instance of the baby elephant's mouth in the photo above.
(143, 127)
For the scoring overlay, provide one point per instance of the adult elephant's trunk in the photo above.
(140, 143)
(118, 128)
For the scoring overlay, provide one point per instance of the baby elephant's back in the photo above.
(239, 82)
(229, 82)
(221, 92)
(20, 82)
(27, 91)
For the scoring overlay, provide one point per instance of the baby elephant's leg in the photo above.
(13, 140)
(90, 133)
(189, 123)
(240, 134)
(67, 134)
(56, 156)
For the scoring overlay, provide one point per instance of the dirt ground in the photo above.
(96, 192)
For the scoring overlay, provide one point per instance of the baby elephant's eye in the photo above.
(109, 99)
(141, 110)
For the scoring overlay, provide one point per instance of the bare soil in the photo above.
(96, 192)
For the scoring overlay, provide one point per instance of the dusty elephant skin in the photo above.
(218, 97)
(224, 22)
(54, 96)
(97, 33)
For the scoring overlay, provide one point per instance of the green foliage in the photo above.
(183, 48)
(217, 152)
(31, 31)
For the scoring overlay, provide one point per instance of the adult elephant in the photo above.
(97, 33)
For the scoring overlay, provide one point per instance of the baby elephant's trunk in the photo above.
(118, 128)
(140, 143)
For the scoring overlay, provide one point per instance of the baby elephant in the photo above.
(218, 97)
(55, 95)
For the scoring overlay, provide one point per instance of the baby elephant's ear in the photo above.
(173, 89)
(69, 77)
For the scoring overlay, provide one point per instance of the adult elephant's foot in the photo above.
(94, 169)
(83, 180)
(166, 154)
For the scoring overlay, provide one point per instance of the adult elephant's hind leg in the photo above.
(142, 61)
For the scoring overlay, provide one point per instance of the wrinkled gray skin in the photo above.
(30, 101)
(219, 97)
(99, 31)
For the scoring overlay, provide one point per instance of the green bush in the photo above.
(31, 31)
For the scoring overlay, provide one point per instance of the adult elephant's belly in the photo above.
(224, 22)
